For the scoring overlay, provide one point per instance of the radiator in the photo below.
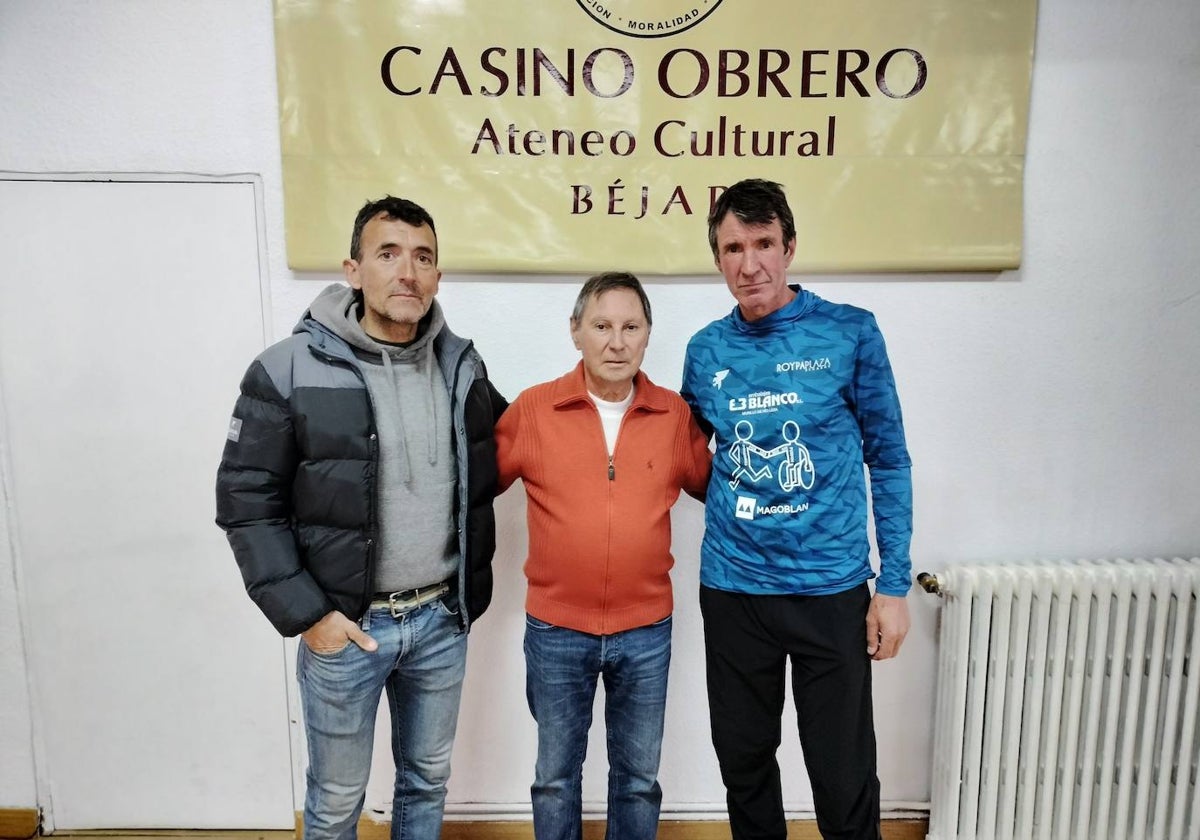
(1066, 701)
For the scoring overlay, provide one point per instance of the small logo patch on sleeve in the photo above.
(235, 429)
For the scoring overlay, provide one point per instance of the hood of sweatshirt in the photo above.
(339, 309)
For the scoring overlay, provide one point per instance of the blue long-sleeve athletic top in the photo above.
(798, 402)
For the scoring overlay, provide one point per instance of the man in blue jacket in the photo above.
(799, 394)
(356, 491)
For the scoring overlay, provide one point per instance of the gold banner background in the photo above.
(928, 182)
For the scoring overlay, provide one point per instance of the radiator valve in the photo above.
(929, 583)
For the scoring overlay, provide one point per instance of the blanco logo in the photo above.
(763, 400)
(745, 507)
(719, 377)
(235, 429)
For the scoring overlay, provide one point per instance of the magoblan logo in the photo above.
(745, 507)
(648, 18)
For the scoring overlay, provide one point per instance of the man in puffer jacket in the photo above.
(356, 491)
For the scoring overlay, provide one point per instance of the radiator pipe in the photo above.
(929, 583)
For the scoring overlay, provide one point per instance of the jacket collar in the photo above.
(570, 389)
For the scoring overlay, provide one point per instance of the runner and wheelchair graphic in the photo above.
(753, 463)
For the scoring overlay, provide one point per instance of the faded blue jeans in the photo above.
(420, 662)
(561, 671)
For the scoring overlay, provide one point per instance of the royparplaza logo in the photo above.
(648, 19)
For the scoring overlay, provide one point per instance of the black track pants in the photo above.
(747, 640)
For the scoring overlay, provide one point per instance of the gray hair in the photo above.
(606, 282)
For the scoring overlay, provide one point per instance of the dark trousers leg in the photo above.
(831, 685)
(747, 638)
(745, 672)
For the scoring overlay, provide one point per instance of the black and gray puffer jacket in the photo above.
(296, 485)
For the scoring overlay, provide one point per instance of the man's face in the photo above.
(612, 334)
(754, 260)
(398, 275)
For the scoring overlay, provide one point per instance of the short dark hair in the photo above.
(393, 208)
(606, 282)
(755, 202)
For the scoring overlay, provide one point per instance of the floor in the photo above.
(478, 830)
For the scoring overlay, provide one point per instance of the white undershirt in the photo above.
(610, 416)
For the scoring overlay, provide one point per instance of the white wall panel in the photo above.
(159, 694)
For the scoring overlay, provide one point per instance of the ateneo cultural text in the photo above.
(680, 74)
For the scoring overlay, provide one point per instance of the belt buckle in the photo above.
(398, 606)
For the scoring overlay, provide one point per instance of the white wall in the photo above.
(17, 788)
(1051, 410)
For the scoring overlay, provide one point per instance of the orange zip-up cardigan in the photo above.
(600, 532)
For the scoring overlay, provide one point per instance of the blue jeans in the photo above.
(420, 662)
(561, 669)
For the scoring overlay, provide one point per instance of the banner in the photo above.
(577, 136)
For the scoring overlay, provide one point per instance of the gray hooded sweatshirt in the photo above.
(415, 485)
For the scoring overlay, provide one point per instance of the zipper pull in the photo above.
(612, 472)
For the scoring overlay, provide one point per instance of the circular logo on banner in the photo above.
(648, 18)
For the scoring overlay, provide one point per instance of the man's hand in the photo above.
(334, 632)
(887, 625)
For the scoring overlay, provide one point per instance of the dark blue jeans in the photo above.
(561, 670)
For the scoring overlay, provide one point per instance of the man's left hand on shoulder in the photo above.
(887, 625)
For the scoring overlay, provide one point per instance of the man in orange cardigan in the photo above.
(603, 452)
